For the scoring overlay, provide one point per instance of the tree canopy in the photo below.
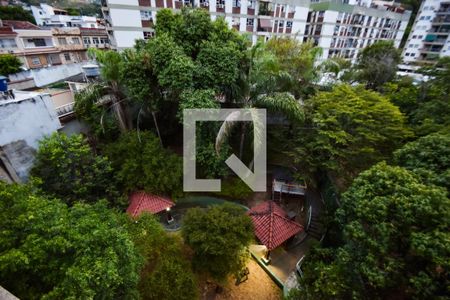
(9, 64)
(377, 64)
(51, 251)
(349, 128)
(218, 236)
(140, 162)
(65, 167)
(428, 157)
(394, 241)
(16, 13)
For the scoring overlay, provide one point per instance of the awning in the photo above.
(265, 23)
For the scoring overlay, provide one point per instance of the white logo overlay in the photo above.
(256, 180)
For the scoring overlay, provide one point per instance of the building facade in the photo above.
(430, 35)
(69, 43)
(339, 27)
(95, 38)
(343, 29)
(46, 15)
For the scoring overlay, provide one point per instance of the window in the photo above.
(103, 40)
(414, 36)
(422, 18)
(250, 22)
(35, 61)
(62, 41)
(420, 37)
(427, 17)
(75, 41)
(289, 24)
(236, 3)
(413, 54)
(95, 40)
(8, 43)
(220, 3)
(148, 35)
(146, 15)
(37, 42)
(67, 56)
(281, 24)
(251, 3)
(416, 46)
(87, 40)
(410, 45)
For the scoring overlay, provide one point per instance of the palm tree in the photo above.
(261, 85)
(108, 90)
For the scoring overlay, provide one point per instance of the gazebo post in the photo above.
(169, 215)
(266, 258)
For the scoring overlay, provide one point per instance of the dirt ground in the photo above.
(259, 286)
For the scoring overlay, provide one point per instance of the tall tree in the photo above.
(51, 251)
(65, 167)
(347, 130)
(377, 64)
(218, 236)
(394, 244)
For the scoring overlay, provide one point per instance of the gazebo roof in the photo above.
(141, 201)
(272, 227)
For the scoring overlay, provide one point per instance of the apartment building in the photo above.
(95, 38)
(46, 15)
(429, 38)
(69, 43)
(343, 28)
(128, 20)
(34, 46)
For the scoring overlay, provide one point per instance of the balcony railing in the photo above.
(65, 109)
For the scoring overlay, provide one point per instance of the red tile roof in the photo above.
(20, 24)
(272, 227)
(140, 202)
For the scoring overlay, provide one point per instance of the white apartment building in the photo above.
(343, 28)
(128, 20)
(340, 27)
(46, 15)
(430, 35)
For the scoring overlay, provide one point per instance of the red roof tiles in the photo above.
(272, 227)
(140, 202)
(20, 25)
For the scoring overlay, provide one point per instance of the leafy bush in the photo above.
(66, 168)
(142, 163)
(235, 188)
(9, 64)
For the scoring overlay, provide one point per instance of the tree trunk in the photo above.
(241, 146)
(157, 128)
(119, 109)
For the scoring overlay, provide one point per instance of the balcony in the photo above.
(144, 3)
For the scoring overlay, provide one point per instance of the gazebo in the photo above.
(272, 226)
(143, 202)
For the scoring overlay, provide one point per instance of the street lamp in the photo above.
(169, 215)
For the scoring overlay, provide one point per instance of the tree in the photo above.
(218, 236)
(394, 244)
(51, 251)
(9, 64)
(140, 162)
(377, 64)
(65, 167)
(166, 274)
(347, 130)
(428, 157)
(16, 13)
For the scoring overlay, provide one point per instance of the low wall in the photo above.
(46, 76)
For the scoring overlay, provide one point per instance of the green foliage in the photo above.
(428, 157)
(218, 236)
(9, 64)
(377, 64)
(395, 242)
(141, 163)
(191, 99)
(16, 13)
(349, 128)
(51, 251)
(235, 188)
(65, 167)
(166, 274)
(91, 108)
(71, 11)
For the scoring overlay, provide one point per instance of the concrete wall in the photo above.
(46, 76)
(23, 122)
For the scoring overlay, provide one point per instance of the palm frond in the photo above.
(225, 129)
(284, 103)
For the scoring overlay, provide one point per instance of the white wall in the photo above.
(126, 39)
(125, 17)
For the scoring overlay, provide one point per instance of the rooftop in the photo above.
(142, 202)
(20, 25)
